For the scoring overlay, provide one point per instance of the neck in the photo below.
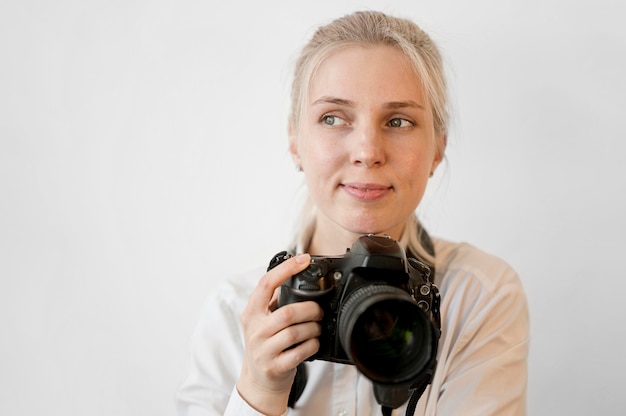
(330, 239)
(323, 244)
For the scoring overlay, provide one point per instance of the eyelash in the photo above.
(411, 124)
(326, 117)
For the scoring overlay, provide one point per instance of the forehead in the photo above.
(367, 72)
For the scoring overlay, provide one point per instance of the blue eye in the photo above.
(399, 122)
(331, 120)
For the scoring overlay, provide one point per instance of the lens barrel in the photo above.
(386, 334)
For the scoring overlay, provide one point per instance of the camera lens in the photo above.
(385, 333)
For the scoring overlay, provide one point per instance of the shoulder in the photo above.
(230, 295)
(484, 329)
(479, 292)
(478, 289)
(462, 263)
(221, 313)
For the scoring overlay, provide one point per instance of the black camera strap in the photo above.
(299, 383)
(417, 389)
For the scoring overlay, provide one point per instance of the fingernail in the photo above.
(302, 258)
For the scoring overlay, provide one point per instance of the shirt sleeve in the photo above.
(217, 348)
(215, 361)
(238, 406)
(486, 348)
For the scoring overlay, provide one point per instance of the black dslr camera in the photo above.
(381, 313)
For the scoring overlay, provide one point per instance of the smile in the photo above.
(366, 191)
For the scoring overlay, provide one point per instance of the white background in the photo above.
(143, 158)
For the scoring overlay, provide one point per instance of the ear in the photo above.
(440, 151)
(293, 147)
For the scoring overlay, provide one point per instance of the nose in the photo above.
(367, 147)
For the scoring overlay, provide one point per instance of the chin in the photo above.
(374, 218)
(376, 229)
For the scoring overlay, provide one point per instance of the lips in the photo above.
(366, 191)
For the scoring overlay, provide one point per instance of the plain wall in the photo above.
(143, 158)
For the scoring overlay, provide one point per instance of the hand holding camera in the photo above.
(268, 366)
(381, 313)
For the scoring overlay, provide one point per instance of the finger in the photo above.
(274, 301)
(260, 298)
(291, 314)
(291, 357)
(294, 335)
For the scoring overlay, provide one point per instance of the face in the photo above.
(366, 144)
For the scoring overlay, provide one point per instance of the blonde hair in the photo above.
(373, 28)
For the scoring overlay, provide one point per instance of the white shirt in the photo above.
(481, 361)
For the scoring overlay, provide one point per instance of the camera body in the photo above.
(381, 309)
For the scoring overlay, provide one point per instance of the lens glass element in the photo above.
(386, 334)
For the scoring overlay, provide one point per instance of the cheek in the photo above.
(416, 162)
(322, 166)
(416, 171)
(320, 156)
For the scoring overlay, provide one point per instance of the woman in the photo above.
(367, 129)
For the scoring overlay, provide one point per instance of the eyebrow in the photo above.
(403, 104)
(333, 100)
(347, 103)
